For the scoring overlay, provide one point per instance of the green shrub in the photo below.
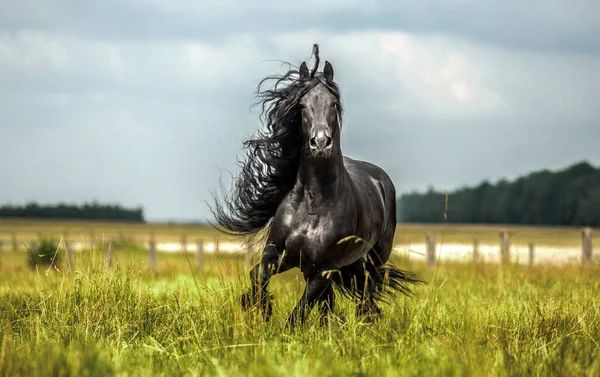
(45, 254)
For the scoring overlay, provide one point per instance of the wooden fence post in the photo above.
(152, 251)
(430, 249)
(475, 250)
(531, 254)
(184, 243)
(15, 245)
(109, 251)
(217, 247)
(586, 243)
(504, 247)
(200, 255)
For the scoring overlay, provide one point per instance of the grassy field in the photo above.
(469, 320)
(26, 230)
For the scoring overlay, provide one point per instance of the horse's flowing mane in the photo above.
(272, 155)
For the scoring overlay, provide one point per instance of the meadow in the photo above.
(24, 231)
(470, 319)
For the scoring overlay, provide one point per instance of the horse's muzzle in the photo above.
(320, 144)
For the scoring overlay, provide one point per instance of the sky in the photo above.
(147, 102)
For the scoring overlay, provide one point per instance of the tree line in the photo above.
(93, 211)
(565, 197)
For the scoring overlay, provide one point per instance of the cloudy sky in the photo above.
(144, 102)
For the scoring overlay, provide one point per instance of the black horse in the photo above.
(329, 215)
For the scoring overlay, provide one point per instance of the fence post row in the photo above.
(152, 251)
(217, 247)
(430, 238)
(15, 245)
(531, 254)
(184, 243)
(475, 250)
(505, 246)
(109, 251)
(200, 255)
(586, 249)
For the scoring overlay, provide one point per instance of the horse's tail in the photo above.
(364, 279)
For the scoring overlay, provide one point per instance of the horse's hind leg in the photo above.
(396, 278)
(367, 306)
(270, 264)
(381, 251)
(377, 257)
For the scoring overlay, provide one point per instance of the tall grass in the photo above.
(470, 320)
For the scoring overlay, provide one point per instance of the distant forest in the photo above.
(566, 197)
(72, 212)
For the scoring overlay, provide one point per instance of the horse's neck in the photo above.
(321, 180)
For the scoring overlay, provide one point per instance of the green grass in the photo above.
(470, 320)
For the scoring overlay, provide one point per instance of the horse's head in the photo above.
(320, 112)
(302, 115)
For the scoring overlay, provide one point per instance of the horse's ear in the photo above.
(303, 71)
(328, 71)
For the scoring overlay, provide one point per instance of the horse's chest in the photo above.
(316, 237)
(309, 235)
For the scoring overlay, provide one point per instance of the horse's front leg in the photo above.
(317, 289)
(271, 263)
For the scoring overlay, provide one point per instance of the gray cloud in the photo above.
(143, 102)
(535, 25)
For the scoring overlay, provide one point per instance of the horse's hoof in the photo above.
(247, 301)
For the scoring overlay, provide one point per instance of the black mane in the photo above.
(272, 156)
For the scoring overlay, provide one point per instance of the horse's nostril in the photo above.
(320, 142)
